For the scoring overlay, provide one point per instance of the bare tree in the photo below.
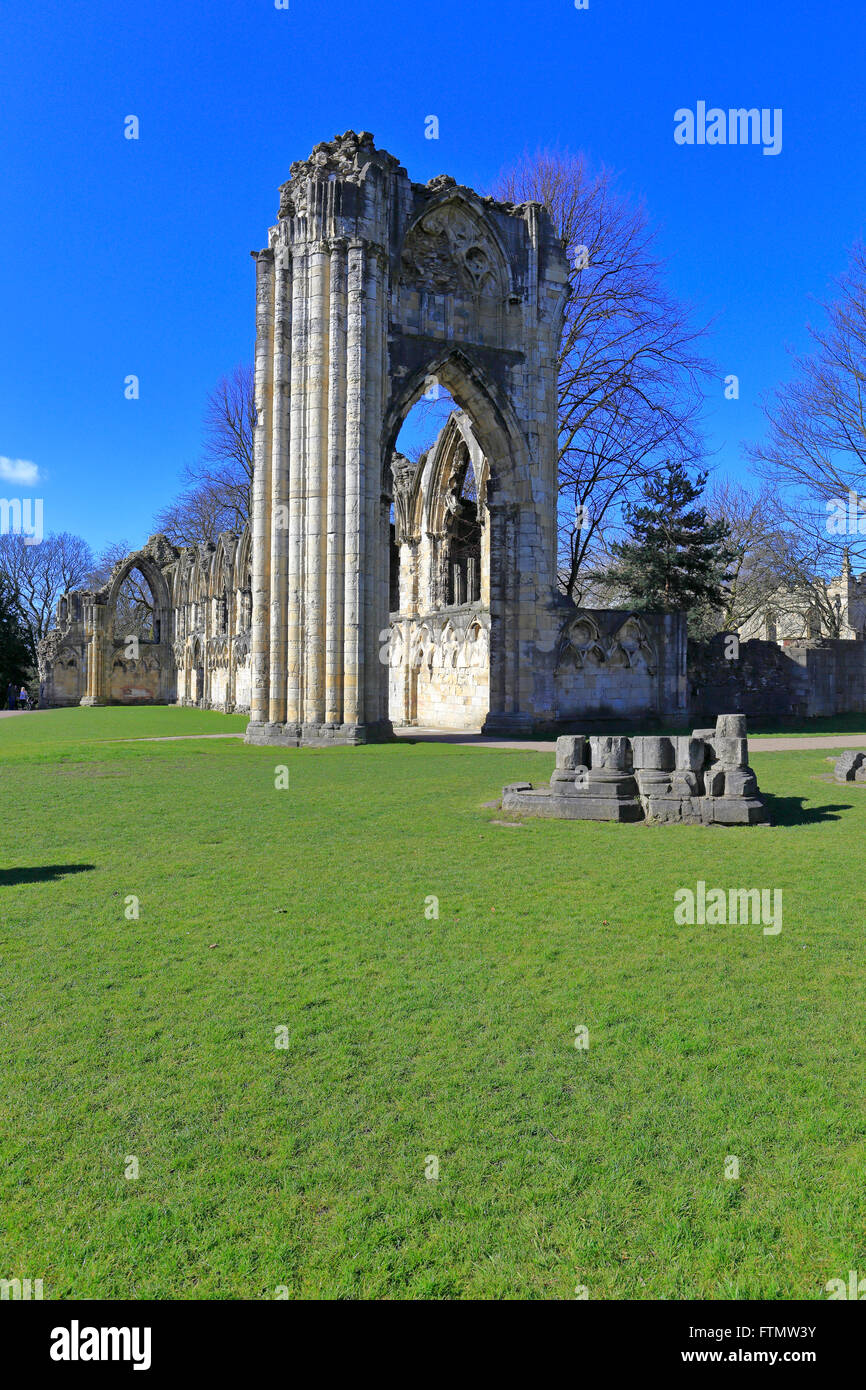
(630, 378)
(37, 575)
(779, 566)
(815, 450)
(757, 542)
(217, 489)
(803, 562)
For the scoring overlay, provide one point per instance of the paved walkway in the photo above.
(808, 741)
(172, 738)
(471, 738)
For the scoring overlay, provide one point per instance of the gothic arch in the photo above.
(492, 418)
(156, 582)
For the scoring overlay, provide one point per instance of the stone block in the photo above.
(542, 802)
(569, 783)
(606, 783)
(731, 752)
(675, 810)
(610, 752)
(691, 753)
(570, 752)
(740, 781)
(739, 811)
(714, 781)
(731, 726)
(653, 782)
(687, 784)
(653, 753)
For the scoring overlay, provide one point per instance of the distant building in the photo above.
(804, 615)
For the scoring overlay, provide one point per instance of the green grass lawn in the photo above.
(304, 1167)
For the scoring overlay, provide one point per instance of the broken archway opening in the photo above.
(438, 650)
(129, 659)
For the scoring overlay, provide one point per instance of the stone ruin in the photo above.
(370, 590)
(698, 779)
(851, 766)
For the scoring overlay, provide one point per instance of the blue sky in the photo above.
(120, 257)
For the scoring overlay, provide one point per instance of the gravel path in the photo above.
(471, 738)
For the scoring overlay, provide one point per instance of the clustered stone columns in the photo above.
(260, 656)
(94, 622)
(335, 586)
(320, 521)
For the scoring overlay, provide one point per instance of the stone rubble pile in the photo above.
(851, 767)
(698, 779)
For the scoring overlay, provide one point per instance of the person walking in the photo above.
(10, 695)
(23, 701)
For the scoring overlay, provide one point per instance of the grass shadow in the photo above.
(793, 810)
(46, 873)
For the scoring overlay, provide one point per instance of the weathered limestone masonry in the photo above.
(370, 287)
(328, 620)
(703, 779)
(199, 650)
(851, 766)
(603, 664)
(796, 680)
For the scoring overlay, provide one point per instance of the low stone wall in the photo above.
(439, 668)
(616, 664)
(799, 680)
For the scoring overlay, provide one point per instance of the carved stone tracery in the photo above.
(448, 251)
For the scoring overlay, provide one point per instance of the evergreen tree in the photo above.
(677, 558)
(17, 657)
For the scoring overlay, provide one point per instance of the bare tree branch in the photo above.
(37, 575)
(217, 489)
(630, 378)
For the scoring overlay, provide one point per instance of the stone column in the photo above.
(384, 608)
(97, 690)
(297, 486)
(498, 599)
(505, 714)
(280, 435)
(374, 617)
(261, 491)
(230, 677)
(316, 448)
(356, 355)
(336, 538)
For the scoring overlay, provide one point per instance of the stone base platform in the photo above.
(707, 810)
(540, 801)
(702, 779)
(317, 735)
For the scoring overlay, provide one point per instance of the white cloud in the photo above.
(18, 470)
